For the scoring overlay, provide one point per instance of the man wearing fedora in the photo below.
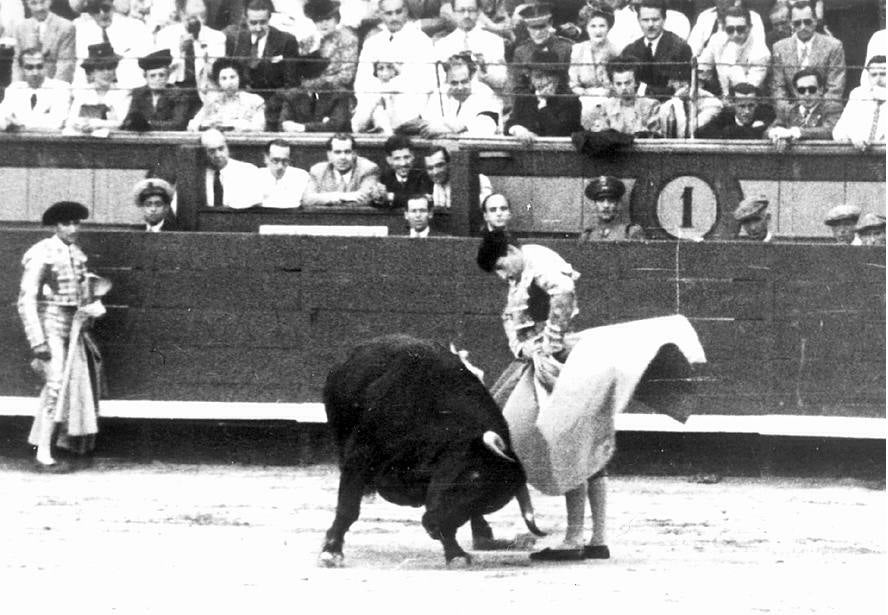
(154, 196)
(128, 37)
(158, 105)
(38, 102)
(57, 301)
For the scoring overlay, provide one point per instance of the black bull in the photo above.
(414, 424)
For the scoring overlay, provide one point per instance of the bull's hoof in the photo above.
(331, 560)
(459, 562)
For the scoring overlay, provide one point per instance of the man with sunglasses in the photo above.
(806, 48)
(734, 55)
(711, 21)
(37, 102)
(810, 117)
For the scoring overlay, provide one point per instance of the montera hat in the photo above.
(153, 186)
(751, 208)
(842, 213)
(161, 58)
(100, 55)
(494, 245)
(870, 221)
(535, 15)
(319, 10)
(605, 186)
(65, 211)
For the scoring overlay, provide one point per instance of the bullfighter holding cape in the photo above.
(563, 389)
(58, 300)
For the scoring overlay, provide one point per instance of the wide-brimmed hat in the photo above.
(153, 186)
(65, 211)
(161, 58)
(101, 55)
(319, 10)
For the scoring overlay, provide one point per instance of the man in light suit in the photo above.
(37, 102)
(806, 48)
(345, 179)
(661, 52)
(53, 34)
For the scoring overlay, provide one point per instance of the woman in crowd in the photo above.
(230, 108)
(588, 60)
(551, 111)
(338, 44)
(100, 105)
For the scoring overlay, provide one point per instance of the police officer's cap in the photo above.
(605, 186)
(535, 15)
(153, 186)
(157, 59)
(870, 221)
(842, 213)
(65, 211)
(751, 208)
(494, 244)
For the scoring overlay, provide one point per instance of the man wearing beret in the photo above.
(55, 303)
(871, 229)
(542, 38)
(609, 222)
(754, 218)
(841, 220)
(153, 197)
(157, 105)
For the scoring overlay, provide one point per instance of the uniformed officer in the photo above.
(55, 284)
(871, 229)
(537, 18)
(754, 218)
(153, 197)
(609, 221)
(841, 220)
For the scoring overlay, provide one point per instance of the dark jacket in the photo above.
(559, 118)
(672, 54)
(172, 112)
(417, 183)
(319, 111)
(724, 126)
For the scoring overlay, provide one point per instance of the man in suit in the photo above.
(537, 18)
(401, 179)
(661, 52)
(272, 58)
(744, 118)
(418, 213)
(153, 197)
(38, 102)
(344, 179)
(51, 33)
(809, 117)
(806, 48)
(158, 105)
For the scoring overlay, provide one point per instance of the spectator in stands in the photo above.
(437, 165)
(487, 49)
(587, 75)
(194, 46)
(99, 105)
(305, 110)
(397, 40)
(38, 102)
(273, 58)
(806, 48)
(230, 108)
(542, 39)
(418, 214)
(338, 46)
(660, 52)
(498, 17)
(550, 110)
(711, 24)
(810, 117)
(746, 117)
(877, 45)
(871, 229)
(626, 111)
(863, 121)
(627, 28)
(12, 14)
(675, 113)
(497, 212)
(779, 26)
(401, 178)
(53, 34)
(228, 182)
(344, 179)
(753, 216)
(466, 108)
(434, 17)
(128, 37)
(390, 101)
(609, 221)
(153, 197)
(734, 55)
(280, 184)
(842, 220)
(157, 105)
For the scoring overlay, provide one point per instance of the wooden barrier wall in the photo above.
(788, 328)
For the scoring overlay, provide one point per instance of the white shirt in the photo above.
(627, 29)
(53, 103)
(473, 117)
(480, 41)
(285, 192)
(210, 46)
(441, 192)
(420, 234)
(117, 101)
(154, 228)
(733, 64)
(856, 122)
(410, 46)
(130, 39)
(705, 23)
(239, 186)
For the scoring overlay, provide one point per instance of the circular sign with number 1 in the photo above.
(687, 207)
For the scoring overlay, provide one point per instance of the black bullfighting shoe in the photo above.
(596, 552)
(558, 555)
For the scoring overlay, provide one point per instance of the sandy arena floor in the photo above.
(133, 538)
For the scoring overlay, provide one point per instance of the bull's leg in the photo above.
(453, 553)
(348, 507)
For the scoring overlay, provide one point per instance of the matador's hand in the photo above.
(41, 351)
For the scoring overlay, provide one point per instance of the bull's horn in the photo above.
(523, 497)
(495, 443)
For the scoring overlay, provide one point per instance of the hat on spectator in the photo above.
(751, 208)
(319, 10)
(535, 15)
(605, 186)
(870, 221)
(546, 60)
(65, 211)
(100, 55)
(161, 58)
(153, 186)
(842, 213)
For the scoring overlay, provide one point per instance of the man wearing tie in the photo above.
(51, 33)
(661, 52)
(344, 179)
(37, 102)
(228, 182)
